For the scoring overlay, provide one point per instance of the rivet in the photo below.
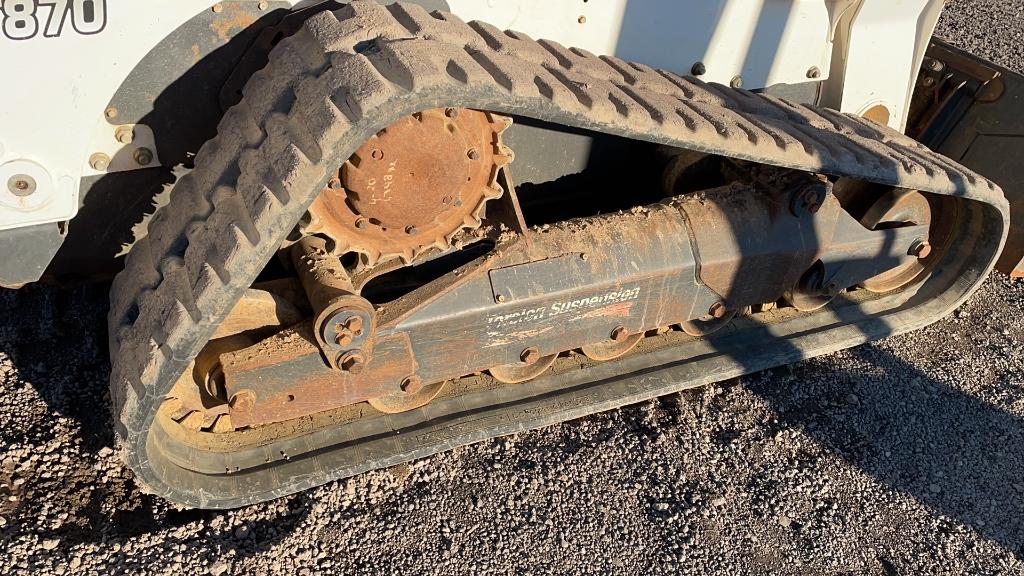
(218, 8)
(814, 72)
(582, 19)
(737, 82)
(699, 69)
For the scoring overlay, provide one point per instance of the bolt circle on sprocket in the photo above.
(414, 185)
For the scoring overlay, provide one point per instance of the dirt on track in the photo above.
(900, 457)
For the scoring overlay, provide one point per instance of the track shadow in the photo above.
(956, 454)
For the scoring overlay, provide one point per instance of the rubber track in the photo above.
(350, 73)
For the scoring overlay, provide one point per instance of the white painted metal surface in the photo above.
(57, 83)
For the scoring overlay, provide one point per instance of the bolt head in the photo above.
(500, 297)
(21, 185)
(334, 184)
(412, 384)
(928, 81)
(355, 324)
(920, 249)
(582, 19)
(362, 223)
(473, 154)
(814, 73)
(619, 334)
(344, 338)
(263, 6)
(99, 161)
(718, 310)
(451, 112)
(352, 362)
(110, 112)
(737, 82)
(218, 8)
(143, 156)
(125, 134)
(411, 230)
(530, 355)
(699, 69)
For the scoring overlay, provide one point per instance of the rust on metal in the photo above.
(415, 185)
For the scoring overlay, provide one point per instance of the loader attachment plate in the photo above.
(972, 111)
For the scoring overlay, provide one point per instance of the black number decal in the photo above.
(21, 18)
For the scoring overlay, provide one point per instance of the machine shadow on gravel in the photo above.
(916, 435)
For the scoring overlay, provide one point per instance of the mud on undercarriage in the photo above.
(782, 232)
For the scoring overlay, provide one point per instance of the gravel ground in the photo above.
(900, 457)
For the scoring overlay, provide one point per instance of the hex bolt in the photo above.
(355, 324)
(529, 355)
(361, 223)
(736, 82)
(143, 156)
(124, 134)
(452, 113)
(814, 73)
(699, 69)
(619, 334)
(21, 185)
(473, 154)
(351, 362)
(920, 248)
(411, 230)
(811, 201)
(412, 384)
(718, 310)
(344, 339)
(936, 65)
(243, 401)
(99, 161)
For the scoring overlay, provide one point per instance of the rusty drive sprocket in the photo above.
(414, 185)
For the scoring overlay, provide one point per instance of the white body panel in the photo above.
(56, 89)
